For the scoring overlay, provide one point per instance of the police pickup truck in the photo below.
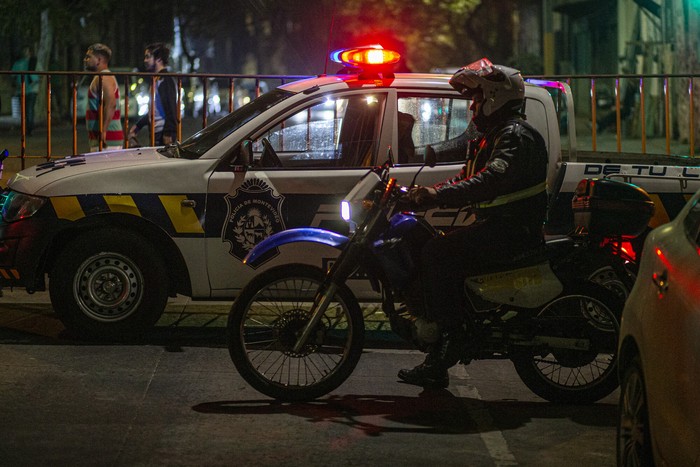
(119, 232)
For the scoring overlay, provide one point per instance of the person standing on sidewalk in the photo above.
(102, 89)
(155, 60)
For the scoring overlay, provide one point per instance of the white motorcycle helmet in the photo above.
(501, 86)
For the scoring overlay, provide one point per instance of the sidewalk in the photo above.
(20, 296)
(33, 313)
(197, 320)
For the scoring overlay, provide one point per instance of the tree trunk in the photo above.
(42, 62)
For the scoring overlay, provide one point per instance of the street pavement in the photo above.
(176, 399)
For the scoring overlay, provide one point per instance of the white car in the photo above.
(659, 421)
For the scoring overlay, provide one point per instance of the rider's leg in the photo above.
(445, 262)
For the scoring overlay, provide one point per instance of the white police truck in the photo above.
(118, 232)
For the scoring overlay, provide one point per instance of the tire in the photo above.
(108, 284)
(634, 445)
(263, 325)
(587, 311)
(597, 269)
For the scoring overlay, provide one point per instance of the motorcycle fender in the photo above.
(528, 287)
(306, 234)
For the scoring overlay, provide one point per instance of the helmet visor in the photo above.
(467, 80)
(481, 67)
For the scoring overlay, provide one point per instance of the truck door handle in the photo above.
(188, 203)
(660, 281)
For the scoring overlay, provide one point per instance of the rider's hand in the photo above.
(422, 195)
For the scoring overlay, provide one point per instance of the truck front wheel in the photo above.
(108, 284)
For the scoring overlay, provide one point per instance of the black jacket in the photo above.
(167, 90)
(510, 158)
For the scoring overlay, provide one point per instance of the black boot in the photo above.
(445, 354)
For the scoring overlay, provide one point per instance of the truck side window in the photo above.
(435, 120)
(337, 132)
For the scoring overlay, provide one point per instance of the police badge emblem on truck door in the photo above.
(254, 213)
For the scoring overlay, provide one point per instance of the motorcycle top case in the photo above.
(611, 208)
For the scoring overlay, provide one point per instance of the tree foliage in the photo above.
(270, 36)
(429, 32)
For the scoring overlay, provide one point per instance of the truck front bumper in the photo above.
(23, 247)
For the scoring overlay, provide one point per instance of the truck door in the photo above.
(319, 151)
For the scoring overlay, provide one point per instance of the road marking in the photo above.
(492, 437)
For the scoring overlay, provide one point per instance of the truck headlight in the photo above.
(17, 206)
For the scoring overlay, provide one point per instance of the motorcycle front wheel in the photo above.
(268, 317)
(587, 313)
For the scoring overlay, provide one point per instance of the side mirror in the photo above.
(430, 156)
(244, 157)
(430, 161)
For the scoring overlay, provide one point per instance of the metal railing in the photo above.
(631, 116)
(668, 92)
(235, 83)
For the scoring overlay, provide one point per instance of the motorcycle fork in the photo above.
(347, 262)
(338, 274)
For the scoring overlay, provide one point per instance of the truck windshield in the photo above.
(199, 143)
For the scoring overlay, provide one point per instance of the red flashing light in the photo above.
(362, 57)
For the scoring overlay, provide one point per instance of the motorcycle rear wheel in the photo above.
(266, 320)
(589, 312)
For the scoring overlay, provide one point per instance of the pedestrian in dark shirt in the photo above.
(155, 59)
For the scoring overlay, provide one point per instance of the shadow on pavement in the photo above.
(432, 412)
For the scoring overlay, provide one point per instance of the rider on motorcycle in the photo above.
(504, 183)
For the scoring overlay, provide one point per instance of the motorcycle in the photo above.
(295, 332)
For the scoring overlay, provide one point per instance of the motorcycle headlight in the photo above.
(345, 211)
(353, 212)
(17, 206)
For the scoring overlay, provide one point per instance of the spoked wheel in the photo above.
(583, 369)
(268, 317)
(633, 437)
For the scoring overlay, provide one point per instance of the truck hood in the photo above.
(91, 172)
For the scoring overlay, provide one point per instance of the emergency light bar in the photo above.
(365, 57)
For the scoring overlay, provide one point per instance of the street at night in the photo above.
(263, 232)
(176, 399)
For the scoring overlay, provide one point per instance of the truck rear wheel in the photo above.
(108, 284)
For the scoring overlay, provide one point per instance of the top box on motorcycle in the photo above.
(611, 208)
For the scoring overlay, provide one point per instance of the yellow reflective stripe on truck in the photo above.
(184, 218)
(67, 207)
(122, 203)
(9, 273)
(168, 211)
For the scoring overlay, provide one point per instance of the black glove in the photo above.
(422, 196)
